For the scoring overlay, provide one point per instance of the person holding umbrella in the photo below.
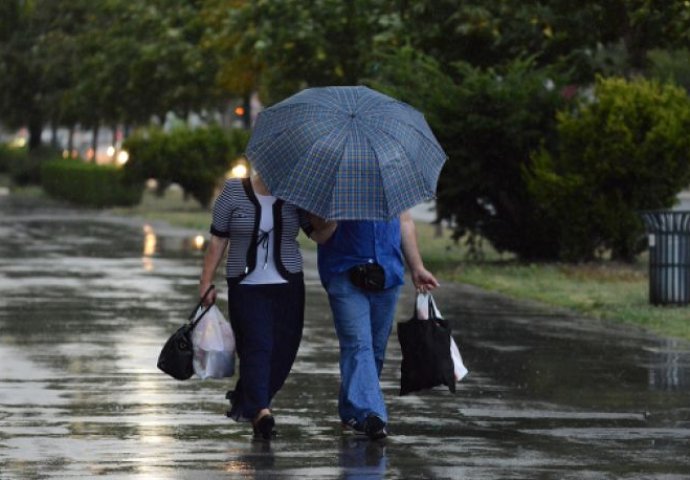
(361, 268)
(265, 290)
(361, 159)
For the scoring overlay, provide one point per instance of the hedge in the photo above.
(23, 166)
(89, 184)
(196, 159)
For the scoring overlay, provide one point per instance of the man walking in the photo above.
(361, 268)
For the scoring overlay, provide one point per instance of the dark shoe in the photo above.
(352, 429)
(263, 429)
(234, 411)
(375, 428)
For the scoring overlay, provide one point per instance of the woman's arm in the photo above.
(212, 258)
(423, 279)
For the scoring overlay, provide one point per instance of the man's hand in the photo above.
(424, 280)
(421, 277)
(323, 229)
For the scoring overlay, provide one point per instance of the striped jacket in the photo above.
(236, 216)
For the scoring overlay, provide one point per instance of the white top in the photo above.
(265, 271)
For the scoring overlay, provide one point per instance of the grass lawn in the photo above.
(606, 290)
(603, 290)
(173, 208)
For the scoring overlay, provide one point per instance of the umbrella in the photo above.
(346, 153)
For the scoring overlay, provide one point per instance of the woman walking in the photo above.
(265, 291)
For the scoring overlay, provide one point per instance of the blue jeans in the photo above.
(363, 322)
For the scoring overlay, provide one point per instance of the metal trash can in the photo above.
(669, 256)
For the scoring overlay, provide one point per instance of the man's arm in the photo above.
(212, 258)
(423, 279)
(323, 229)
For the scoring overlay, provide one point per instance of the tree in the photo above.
(288, 45)
(625, 151)
(115, 61)
(22, 86)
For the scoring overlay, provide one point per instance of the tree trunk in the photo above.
(70, 140)
(35, 131)
(53, 135)
(94, 142)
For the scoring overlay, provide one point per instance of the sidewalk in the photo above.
(85, 305)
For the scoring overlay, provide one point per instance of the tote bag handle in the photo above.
(433, 312)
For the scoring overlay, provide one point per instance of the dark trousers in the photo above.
(267, 321)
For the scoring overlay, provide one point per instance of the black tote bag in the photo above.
(426, 357)
(177, 354)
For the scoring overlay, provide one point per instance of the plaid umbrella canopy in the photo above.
(346, 153)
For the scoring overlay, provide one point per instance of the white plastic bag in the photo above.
(458, 366)
(425, 304)
(213, 342)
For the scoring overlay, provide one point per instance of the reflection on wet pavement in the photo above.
(86, 301)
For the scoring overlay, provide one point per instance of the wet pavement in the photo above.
(86, 301)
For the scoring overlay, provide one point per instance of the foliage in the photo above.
(193, 158)
(626, 151)
(115, 61)
(489, 125)
(8, 155)
(88, 184)
(290, 44)
(670, 66)
(488, 122)
(25, 166)
(148, 157)
(148, 61)
(415, 78)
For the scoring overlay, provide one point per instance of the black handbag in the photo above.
(176, 356)
(426, 357)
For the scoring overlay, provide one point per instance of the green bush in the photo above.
(194, 158)
(625, 151)
(670, 66)
(148, 158)
(493, 121)
(488, 122)
(9, 155)
(89, 184)
(24, 166)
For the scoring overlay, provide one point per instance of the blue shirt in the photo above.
(357, 242)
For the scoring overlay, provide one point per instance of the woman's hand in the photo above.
(211, 297)
(212, 258)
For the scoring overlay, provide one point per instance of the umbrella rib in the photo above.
(433, 141)
(413, 165)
